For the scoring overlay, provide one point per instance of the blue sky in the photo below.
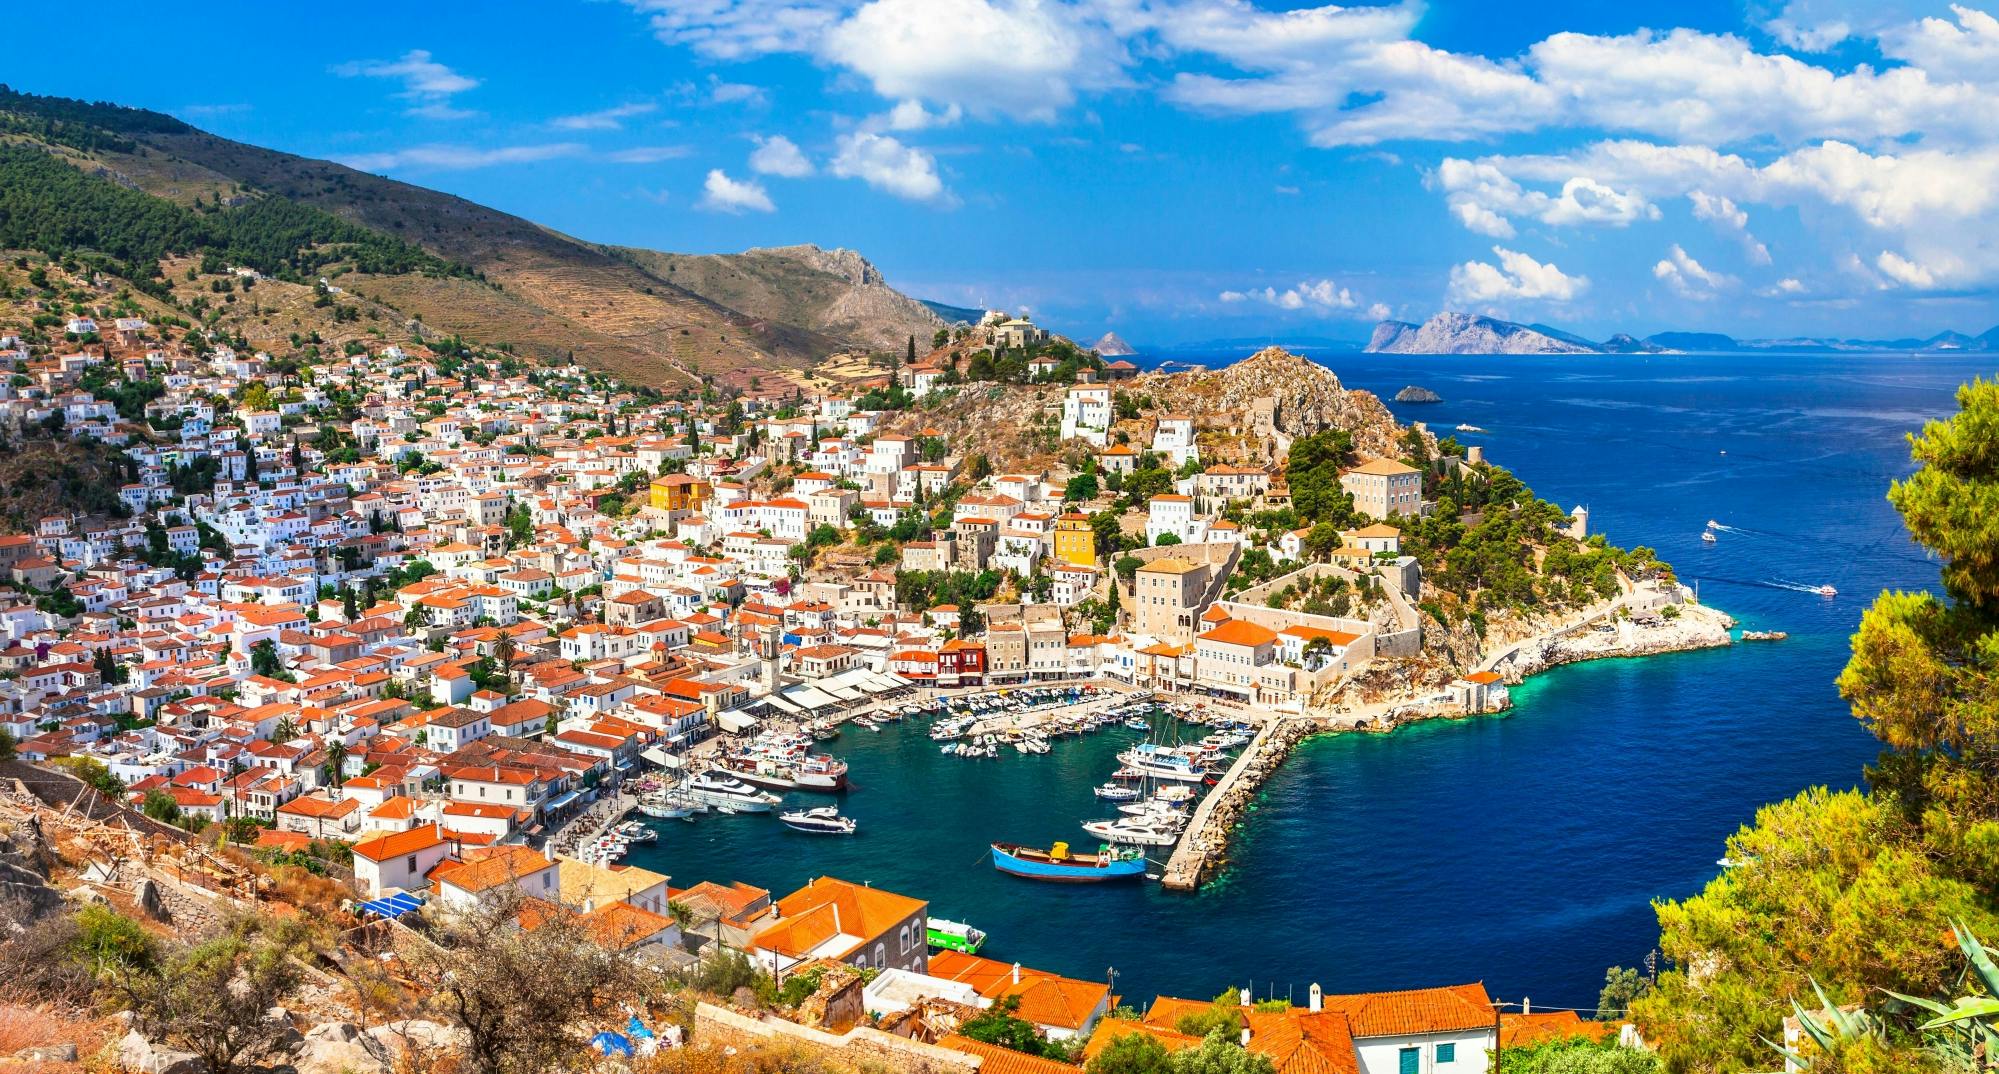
(1171, 169)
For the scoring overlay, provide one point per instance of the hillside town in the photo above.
(437, 618)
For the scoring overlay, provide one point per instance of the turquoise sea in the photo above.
(1522, 850)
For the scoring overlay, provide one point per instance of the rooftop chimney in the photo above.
(1245, 1036)
(1244, 992)
(1318, 999)
(1016, 973)
(1526, 1005)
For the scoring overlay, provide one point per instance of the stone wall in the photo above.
(864, 1046)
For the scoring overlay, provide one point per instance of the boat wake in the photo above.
(1800, 587)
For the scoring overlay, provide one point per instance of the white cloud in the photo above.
(1482, 196)
(1904, 271)
(888, 165)
(429, 84)
(1730, 218)
(1378, 312)
(1788, 286)
(1517, 276)
(723, 194)
(608, 119)
(736, 93)
(778, 155)
(1687, 277)
(740, 29)
(910, 115)
(447, 157)
(1322, 296)
(648, 154)
(1020, 58)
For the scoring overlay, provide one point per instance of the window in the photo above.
(1447, 1053)
(1409, 1061)
(905, 939)
(881, 955)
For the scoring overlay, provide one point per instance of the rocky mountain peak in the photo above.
(847, 264)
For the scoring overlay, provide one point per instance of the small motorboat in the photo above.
(824, 820)
(633, 831)
(1138, 723)
(1828, 591)
(1707, 536)
(955, 936)
(1133, 831)
(1112, 792)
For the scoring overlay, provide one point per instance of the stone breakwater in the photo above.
(1203, 847)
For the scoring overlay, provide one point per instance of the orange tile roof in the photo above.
(490, 868)
(994, 1059)
(384, 847)
(1045, 998)
(1519, 1030)
(807, 917)
(1240, 632)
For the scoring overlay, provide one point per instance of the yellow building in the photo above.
(678, 494)
(1075, 541)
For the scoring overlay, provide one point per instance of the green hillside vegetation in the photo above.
(1854, 891)
(49, 206)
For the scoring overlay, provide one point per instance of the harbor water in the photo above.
(1522, 850)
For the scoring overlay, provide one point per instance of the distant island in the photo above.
(1414, 394)
(1469, 333)
(1113, 346)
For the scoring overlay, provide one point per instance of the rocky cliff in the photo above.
(837, 293)
(1308, 397)
(1467, 333)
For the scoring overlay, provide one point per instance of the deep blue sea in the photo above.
(1521, 850)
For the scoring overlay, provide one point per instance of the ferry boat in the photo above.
(956, 936)
(1058, 864)
(727, 793)
(825, 820)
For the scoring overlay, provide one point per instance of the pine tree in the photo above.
(911, 359)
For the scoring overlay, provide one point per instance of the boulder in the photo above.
(395, 1038)
(48, 1053)
(335, 1047)
(141, 1056)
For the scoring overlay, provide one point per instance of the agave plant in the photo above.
(1827, 1029)
(1966, 1030)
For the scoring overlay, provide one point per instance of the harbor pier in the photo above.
(1204, 844)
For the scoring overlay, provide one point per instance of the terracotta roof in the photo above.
(384, 847)
(1045, 998)
(1240, 632)
(994, 1059)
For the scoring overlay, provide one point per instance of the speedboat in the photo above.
(728, 794)
(635, 832)
(1111, 792)
(1828, 591)
(955, 936)
(825, 820)
(1708, 536)
(1138, 723)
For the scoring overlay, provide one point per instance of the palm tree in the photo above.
(285, 730)
(336, 759)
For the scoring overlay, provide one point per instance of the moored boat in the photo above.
(1061, 865)
(955, 936)
(1134, 830)
(728, 794)
(825, 820)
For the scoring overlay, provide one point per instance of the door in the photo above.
(1409, 1061)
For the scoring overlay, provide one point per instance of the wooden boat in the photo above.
(1058, 864)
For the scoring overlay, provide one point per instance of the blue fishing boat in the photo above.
(1061, 865)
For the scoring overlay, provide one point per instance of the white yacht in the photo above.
(725, 792)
